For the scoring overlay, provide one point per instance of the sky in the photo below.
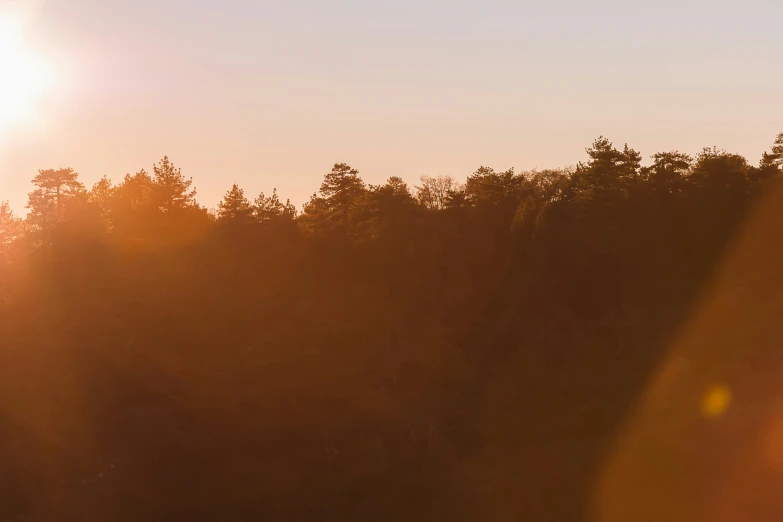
(270, 94)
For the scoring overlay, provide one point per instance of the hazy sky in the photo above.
(272, 93)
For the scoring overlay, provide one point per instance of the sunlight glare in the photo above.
(23, 76)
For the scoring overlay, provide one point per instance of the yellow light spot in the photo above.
(716, 401)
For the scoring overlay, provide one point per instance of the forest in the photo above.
(443, 350)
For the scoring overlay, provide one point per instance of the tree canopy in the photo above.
(394, 351)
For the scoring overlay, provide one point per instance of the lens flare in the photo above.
(716, 401)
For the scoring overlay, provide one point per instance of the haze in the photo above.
(271, 94)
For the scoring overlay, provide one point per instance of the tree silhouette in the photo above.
(268, 209)
(774, 158)
(456, 198)
(172, 190)
(235, 206)
(55, 186)
(315, 216)
(388, 206)
(101, 195)
(342, 189)
(368, 345)
(289, 210)
(135, 192)
(10, 227)
(56, 190)
(433, 193)
(485, 186)
(608, 170)
(718, 170)
(667, 173)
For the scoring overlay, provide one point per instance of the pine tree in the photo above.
(494, 188)
(289, 210)
(774, 158)
(609, 171)
(387, 208)
(268, 209)
(56, 189)
(315, 215)
(55, 186)
(668, 172)
(718, 171)
(172, 190)
(135, 191)
(101, 195)
(10, 226)
(391, 198)
(235, 206)
(342, 189)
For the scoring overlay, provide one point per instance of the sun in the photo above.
(22, 75)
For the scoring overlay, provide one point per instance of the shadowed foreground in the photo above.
(451, 352)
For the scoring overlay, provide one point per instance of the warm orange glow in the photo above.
(23, 75)
(716, 401)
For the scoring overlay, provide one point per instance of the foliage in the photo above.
(171, 189)
(382, 355)
(56, 193)
(10, 227)
(235, 206)
(434, 192)
(342, 191)
(774, 158)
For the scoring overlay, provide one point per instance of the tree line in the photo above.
(387, 352)
(346, 206)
